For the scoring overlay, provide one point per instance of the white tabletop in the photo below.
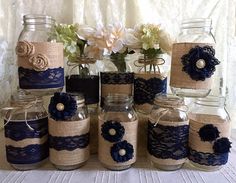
(141, 172)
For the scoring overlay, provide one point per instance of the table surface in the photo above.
(141, 172)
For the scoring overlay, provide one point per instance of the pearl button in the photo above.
(60, 107)
(122, 152)
(200, 64)
(112, 131)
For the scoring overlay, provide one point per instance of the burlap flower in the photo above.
(39, 62)
(24, 49)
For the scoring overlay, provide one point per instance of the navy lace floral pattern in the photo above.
(27, 155)
(145, 90)
(112, 131)
(166, 142)
(31, 79)
(122, 151)
(117, 78)
(208, 159)
(69, 143)
(200, 62)
(19, 130)
(62, 106)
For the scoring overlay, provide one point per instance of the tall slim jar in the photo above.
(39, 57)
(69, 125)
(209, 133)
(193, 60)
(118, 126)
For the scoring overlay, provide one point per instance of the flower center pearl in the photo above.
(200, 64)
(122, 152)
(112, 131)
(60, 107)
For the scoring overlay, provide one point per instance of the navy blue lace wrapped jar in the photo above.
(193, 62)
(209, 133)
(117, 132)
(168, 130)
(39, 57)
(26, 132)
(69, 125)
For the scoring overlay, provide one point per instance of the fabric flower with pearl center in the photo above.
(62, 106)
(122, 151)
(200, 62)
(112, 131)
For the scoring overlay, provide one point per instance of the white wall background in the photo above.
(169, 13)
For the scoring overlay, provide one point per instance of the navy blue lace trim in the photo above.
(168, 141)
(208, 159)
(27, 155)
(31, 79)
(145, 90)
(69, 143)
(19, 130)
(117, 77)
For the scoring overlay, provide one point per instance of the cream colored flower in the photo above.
(165, 42)
(39, 62)
(24, 48)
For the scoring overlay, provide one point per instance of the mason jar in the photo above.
(26, 132)
(117, 131)
(39, 57)
(193, 60)
(209, 133)
(168, 130)
(69, 125)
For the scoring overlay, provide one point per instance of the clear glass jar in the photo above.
(188, 79)
(39, 57)
(69, 125)
(117, 130)
(26, 132)
(168, 129)
(209, 123)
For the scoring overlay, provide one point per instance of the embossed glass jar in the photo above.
(193, 59)
(209, 132)
(168, 129)
(117, 131)
(69, 125)
(39, 57)
(26, 132)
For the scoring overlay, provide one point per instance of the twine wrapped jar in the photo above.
(193, 59)
(39, 57)
(168, 130)
(26, 132)
(118, 126)
(209, 133)
(69, 125)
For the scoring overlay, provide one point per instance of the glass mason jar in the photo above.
(26, 132)
(69, 125)
(193, 59)
(209, 132)
(168, 130)
(117, 131)
(39, 57)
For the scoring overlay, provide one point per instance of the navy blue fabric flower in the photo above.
(200, 62)
(112, 131)
(122, 152)
(62, 106)
(222, 145)
(208, 132)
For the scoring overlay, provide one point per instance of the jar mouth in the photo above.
(79, 97)
(37, 19)
(20, 98)
(211, 100)
(168, 100)
(197, 23)
(118, 99)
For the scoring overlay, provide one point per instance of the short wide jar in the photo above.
(117, 133)
(168, 130)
